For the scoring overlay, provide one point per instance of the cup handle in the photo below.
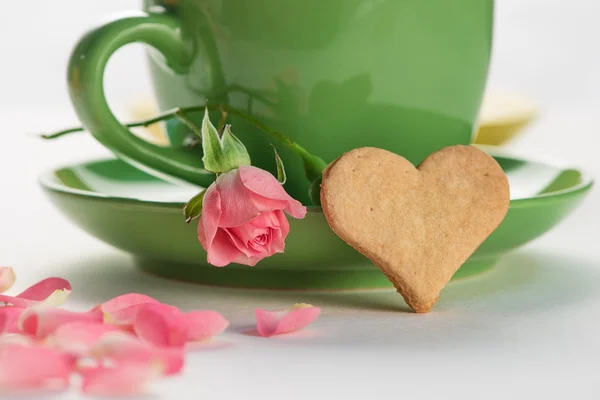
(85, 82)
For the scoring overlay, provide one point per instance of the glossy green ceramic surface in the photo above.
(404, 75)
(142, 215)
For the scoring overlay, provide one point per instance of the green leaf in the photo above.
(211, 146)
(193, 208)
(234, 150)
(280, 169)
(221, 154)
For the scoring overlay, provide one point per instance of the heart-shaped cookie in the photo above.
(418, 225)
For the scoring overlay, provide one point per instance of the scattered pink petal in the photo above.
(123, 309)
(34, 367)
(125, 301)
(9, 319)
(40, 322)
(162, 325)
(121, 347)
(79, 336)
(269, 323)
(203, 325)
(51, 292)
(7, 278)
(24, 340)
(121, 380)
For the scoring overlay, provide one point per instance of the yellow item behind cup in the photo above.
(504, 114)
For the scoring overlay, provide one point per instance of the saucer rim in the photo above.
(47, 181)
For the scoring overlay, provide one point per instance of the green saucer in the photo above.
(142, 215)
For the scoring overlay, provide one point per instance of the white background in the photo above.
(529, 329)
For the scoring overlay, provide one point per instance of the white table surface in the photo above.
(527, 329)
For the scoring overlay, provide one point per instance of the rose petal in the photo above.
(40, 322)
(237, 203)
(56, 299)
(233, 249)
(125, 318)
(209, 219)
(123, 348)
(224, 252)
(244, 236)
(241, 246)
(7, 278)
(9, 319)
(162, 325)
(266, 186)
(125, 301)
(269, 323)
(50, 292)
(237, 247)
(203, 325)
(123, 379)
(34, 367)
(44, 288)
(278, 229)
(24, 340)
(278, 236)
(123, 309)
(79, 336)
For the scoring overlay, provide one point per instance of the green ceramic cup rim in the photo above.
(48, 181)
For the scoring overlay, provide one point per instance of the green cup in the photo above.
(403, 75)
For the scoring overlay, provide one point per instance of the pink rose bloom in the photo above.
(243, 218)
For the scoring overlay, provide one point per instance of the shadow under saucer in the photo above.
(522, 281)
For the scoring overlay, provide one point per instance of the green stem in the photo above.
(315, 165)
(58, 134)
(142, 123)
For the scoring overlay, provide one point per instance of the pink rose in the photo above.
(242, 218)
